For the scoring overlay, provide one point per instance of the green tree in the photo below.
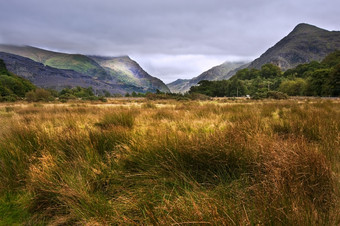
(334, 81)
(295, 87)
(270, 71)
(318, 83)
(38, 95)
(3, 69)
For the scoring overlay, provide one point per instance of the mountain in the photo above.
(127, 71)
(219, 72)
(76, 62)
(304, 44)
(49, 77)
(123, 73)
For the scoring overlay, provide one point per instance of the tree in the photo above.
(318, 83)
(38, 95)
(134, 94)
(332, 59)
(3, 69)
(270, 71)
(106, 93)
(237, 88)
(334, 81)
(295, 87)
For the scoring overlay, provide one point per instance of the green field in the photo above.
(167, 162)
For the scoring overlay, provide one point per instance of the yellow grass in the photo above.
(132, 161)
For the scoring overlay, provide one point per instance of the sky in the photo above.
(170, 39)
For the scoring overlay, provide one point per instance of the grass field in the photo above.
(133, 161)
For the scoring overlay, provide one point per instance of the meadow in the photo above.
(167, 162)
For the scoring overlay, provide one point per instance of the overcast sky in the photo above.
(170, 39)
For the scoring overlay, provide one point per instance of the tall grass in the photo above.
(226, 163)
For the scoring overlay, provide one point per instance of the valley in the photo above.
(96, 140)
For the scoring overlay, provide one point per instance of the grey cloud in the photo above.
(174, 27)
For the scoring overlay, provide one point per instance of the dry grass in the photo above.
(134, 162)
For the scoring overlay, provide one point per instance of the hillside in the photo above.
(304, 44)
(49, 77)
(12, 86)
(127, 71)
(216, 73)
(76, 62)
(122, 73)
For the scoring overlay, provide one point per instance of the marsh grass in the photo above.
(121, 118)
(221, 163)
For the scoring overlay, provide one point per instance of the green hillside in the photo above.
(76, 62)
(127, 71)
(12, 87)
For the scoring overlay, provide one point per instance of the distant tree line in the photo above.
(64, 95)
(312, 79)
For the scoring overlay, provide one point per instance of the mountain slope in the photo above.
(76, 62)
(11, 85)
(127, 71)
(49, 77)
(304, 44)
(115, 71)
(219, 72)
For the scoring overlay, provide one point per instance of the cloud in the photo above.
(171, 67)
(171, 28)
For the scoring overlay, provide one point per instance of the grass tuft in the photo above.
(123, 118)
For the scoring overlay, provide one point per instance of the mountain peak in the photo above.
(304, 44)
(306, 28)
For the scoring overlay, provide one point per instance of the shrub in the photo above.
(198, 96)
(9, 98)
(276, 95)
(39, 95)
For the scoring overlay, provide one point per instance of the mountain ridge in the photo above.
(49, 77)
(89, 66)
(303, 44)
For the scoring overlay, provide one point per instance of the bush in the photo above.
(259, 95)
(277, 95)
(39, 95)
(66, 97)
(197, 96)
(9, 98)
